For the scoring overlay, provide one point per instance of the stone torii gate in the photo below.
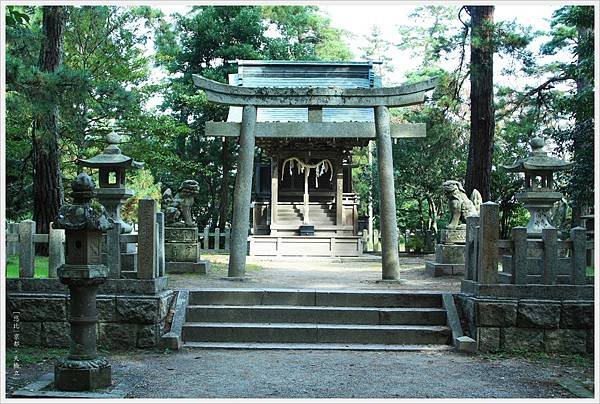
(315, 98)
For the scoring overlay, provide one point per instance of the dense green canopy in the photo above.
(130, 69)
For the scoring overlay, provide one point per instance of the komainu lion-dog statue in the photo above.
(460, 205)
(178, 208)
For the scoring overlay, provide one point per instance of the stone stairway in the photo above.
(320, 214)
(315, 319)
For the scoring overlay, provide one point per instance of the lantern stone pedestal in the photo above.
(82, 369)
(449, 254)
(182, 251)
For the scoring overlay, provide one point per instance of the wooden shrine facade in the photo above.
(306, 117)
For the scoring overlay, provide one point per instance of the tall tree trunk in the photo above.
(582, 84)
(433, 213)
(48, 193)
(481, 143)
(224, 199)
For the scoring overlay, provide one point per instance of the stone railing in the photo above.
(215, 240)
(538, 299)
(21, 239)
(149, 243)
(545, 261)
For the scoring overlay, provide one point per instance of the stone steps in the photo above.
(312, 297)
(317, 346)
(315, 333)
(245, 318)
(318, 315)
(293, 214)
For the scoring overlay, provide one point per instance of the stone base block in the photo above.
(453, 236)
(84, 379)
(182, 252)
(450, 254)
(187, 235)
(201, 267)
(129, 261)
(465, 344)
(435, 269)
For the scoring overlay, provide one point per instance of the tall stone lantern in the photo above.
(112, 165)
(84, 222)
(539, 194)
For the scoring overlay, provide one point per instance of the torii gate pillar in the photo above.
(387, 200)
(242, 195)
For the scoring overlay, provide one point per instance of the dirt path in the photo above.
(318, 273)
(332, 374)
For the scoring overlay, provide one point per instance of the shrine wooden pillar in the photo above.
(243, 195)
(387, 197)
(274, 192)
(339, 195)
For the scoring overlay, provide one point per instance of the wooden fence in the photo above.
(149, 242)
(215, 240)
(21, 239)
(405, 236)
(546, 261)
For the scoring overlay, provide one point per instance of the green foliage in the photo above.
(40, 267)
(142, 183)
(203, 42)
(415, 243)
(16, 16)
(100, 84)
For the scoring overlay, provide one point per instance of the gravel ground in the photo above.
(318, 273)
(332, 374)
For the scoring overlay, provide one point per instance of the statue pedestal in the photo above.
(182, 251)
(453, 236)
(449, 255)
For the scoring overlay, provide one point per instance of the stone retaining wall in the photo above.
(528, 325)
(125, 320)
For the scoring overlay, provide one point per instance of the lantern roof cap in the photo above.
(538, 160)
(111, 156)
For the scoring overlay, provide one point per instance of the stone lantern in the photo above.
(539, 194)
(84, 222)
(112, 165)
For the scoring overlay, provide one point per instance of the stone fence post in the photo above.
(578, 256)
(160, 250)
(520, 268)
(147, 239)
(376, 241)
(205, 241)
(471, 247)
(217, 242)
(56, 250)
(489, 228)
(12, 247)
(365, 240)
(113, 251)
(550, 238)
(26, 249)
(227, 237)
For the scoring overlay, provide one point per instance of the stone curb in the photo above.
(173, 339)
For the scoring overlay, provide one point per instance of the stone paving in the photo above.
(318, 273)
